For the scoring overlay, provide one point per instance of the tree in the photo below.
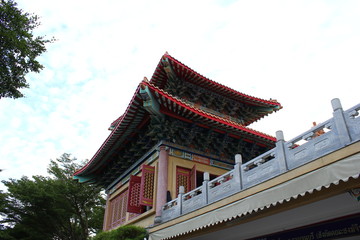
(126, 232)
(19, 48)
(55, 207)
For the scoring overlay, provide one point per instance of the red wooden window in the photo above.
(185, 177)
(141, 190)
(118, 210)
(147, 185)
(133, 205)
(182, 179)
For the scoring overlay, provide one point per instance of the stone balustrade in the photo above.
(339, 131)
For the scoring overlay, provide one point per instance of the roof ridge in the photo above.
(270, 101)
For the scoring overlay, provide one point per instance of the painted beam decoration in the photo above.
(200, 159)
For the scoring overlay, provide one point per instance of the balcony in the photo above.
(341, 130)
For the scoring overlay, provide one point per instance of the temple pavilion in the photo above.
(177, 126)
(183, 162)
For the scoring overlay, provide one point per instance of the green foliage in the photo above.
(128, 232)
(19, 48)
(55, 207)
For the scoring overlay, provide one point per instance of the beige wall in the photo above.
(147, 218)
(179, 162)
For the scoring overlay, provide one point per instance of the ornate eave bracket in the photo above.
(149, 102)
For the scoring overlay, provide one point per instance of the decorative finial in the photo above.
(181, 189)
(206, 176)
(336, 104)
(238, 158)
(279, 135)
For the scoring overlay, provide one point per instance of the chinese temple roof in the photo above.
(152, 102)
(179, 80)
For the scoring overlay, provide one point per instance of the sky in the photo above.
(301, 53)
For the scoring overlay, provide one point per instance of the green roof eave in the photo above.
(83, 179)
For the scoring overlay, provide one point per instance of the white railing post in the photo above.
(180, 198)
(205, 188)
(280, 151)
(237, 170)
(343, 132)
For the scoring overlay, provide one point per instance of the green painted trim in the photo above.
(83, 179)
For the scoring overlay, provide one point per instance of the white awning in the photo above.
(341, 170)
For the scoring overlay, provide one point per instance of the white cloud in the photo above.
(303, 53)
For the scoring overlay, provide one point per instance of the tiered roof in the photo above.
(170, 74)
(166, 95)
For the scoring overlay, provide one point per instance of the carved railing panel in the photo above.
(262, 168)
(308, 146)
(223, 186)
(171, 210)
(193, 200)
(352, 118)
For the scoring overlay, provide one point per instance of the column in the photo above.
(162, 181)
(107, 213)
